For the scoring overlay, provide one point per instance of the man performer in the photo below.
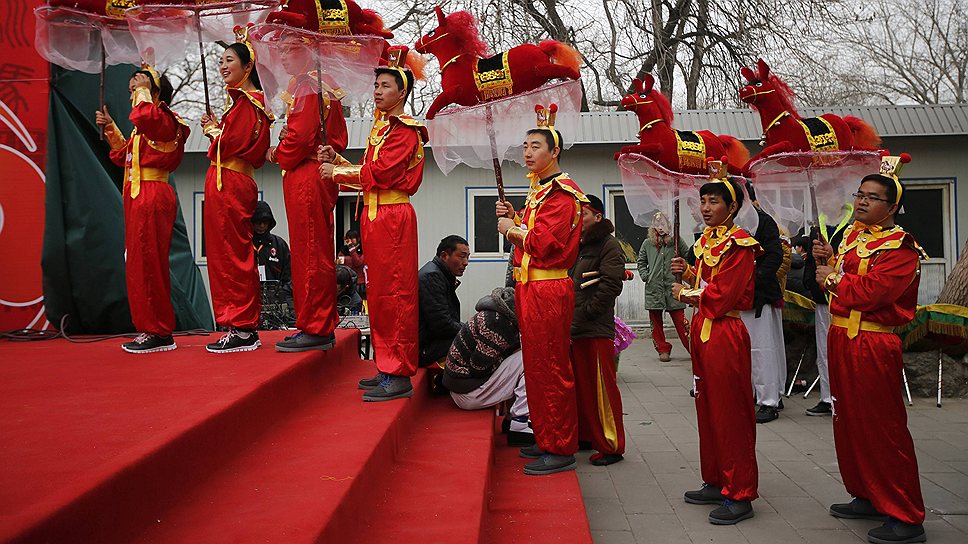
(309, 202)
(722, 288)
(873, 281)
(597, 275)
(391, 172)
(156, 148)
(545, 238)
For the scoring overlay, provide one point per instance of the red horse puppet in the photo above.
(332, 17)
(785, 131)
(677, 150)
(469, 76)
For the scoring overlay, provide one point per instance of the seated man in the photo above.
(485, 367)
(348, 299)
(439, 307)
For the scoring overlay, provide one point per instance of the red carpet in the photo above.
(186, 446)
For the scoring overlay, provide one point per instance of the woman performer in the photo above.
(239, 144)
(156, 148)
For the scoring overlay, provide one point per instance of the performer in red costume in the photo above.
(239, 144)
(155, 149)
(391, 172)
(720, 347)
(309, 202)
(874, 282)
(545, 238)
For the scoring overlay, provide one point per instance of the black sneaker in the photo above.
(391, 388)
(531, 452)
(821, 409)
(520, 433)
(706, 494)
(894, 532)
(369, 383)
(149, 343)
(766, 414)
(731, 512)
(236, 340)
(303, 341)
(605, 459)
(550, 464)
(856, 509)
(779, 405)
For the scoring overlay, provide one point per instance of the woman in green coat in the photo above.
(655, 258)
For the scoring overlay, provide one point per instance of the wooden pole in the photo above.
(201, 53)
(498, 177)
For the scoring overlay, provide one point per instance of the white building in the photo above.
(463, 202)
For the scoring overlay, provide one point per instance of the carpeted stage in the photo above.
(97, 445)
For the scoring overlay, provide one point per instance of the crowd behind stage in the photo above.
(543, 343)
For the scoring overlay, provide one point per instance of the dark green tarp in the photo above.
(83, 255)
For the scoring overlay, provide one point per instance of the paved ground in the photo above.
(640, 499)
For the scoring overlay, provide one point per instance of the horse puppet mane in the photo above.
(665, 107)
(463, 26)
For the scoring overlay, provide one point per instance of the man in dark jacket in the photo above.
(271, 251)
(765, 321)
(485, 367)
(598, 275)
(821, 321)
(439, 306)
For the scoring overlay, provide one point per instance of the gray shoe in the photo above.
(303, 341)
(550, 464)
(856, 509)
(369, 383)
(706, 494)
(531, 452)
(391, 388)
(731, 512)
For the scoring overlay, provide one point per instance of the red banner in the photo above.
(24, 79)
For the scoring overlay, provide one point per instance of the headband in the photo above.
(242, 36)
(891, 166)
(717, 174)
(155, 78)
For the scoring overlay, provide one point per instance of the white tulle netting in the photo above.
(651, 188)
(284, 53)
(461, 135)
(76, 40)
(804, 188)
(166, 33)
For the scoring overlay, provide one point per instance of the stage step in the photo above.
(310, 478)
(535, 509)
(97, 442)
(437, 490)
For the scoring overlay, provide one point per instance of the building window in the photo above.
(486, 243)
(629, 234)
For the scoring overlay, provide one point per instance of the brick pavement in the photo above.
(640, 499)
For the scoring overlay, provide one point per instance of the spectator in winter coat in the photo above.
(598, 275)
(655, 258)
(351, 255)
(439, 306)
(485, 367)
(271, 251)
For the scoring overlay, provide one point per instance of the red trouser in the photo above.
(392, 293)
(658, 335)
(148, 223)
(309, 207)
(232, 272)
(599, 401)
(727, 422)
(875, 451)
(545, 309)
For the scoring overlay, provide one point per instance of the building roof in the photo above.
(621, 127)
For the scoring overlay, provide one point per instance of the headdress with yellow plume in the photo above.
(890, 169)
(546, 120)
